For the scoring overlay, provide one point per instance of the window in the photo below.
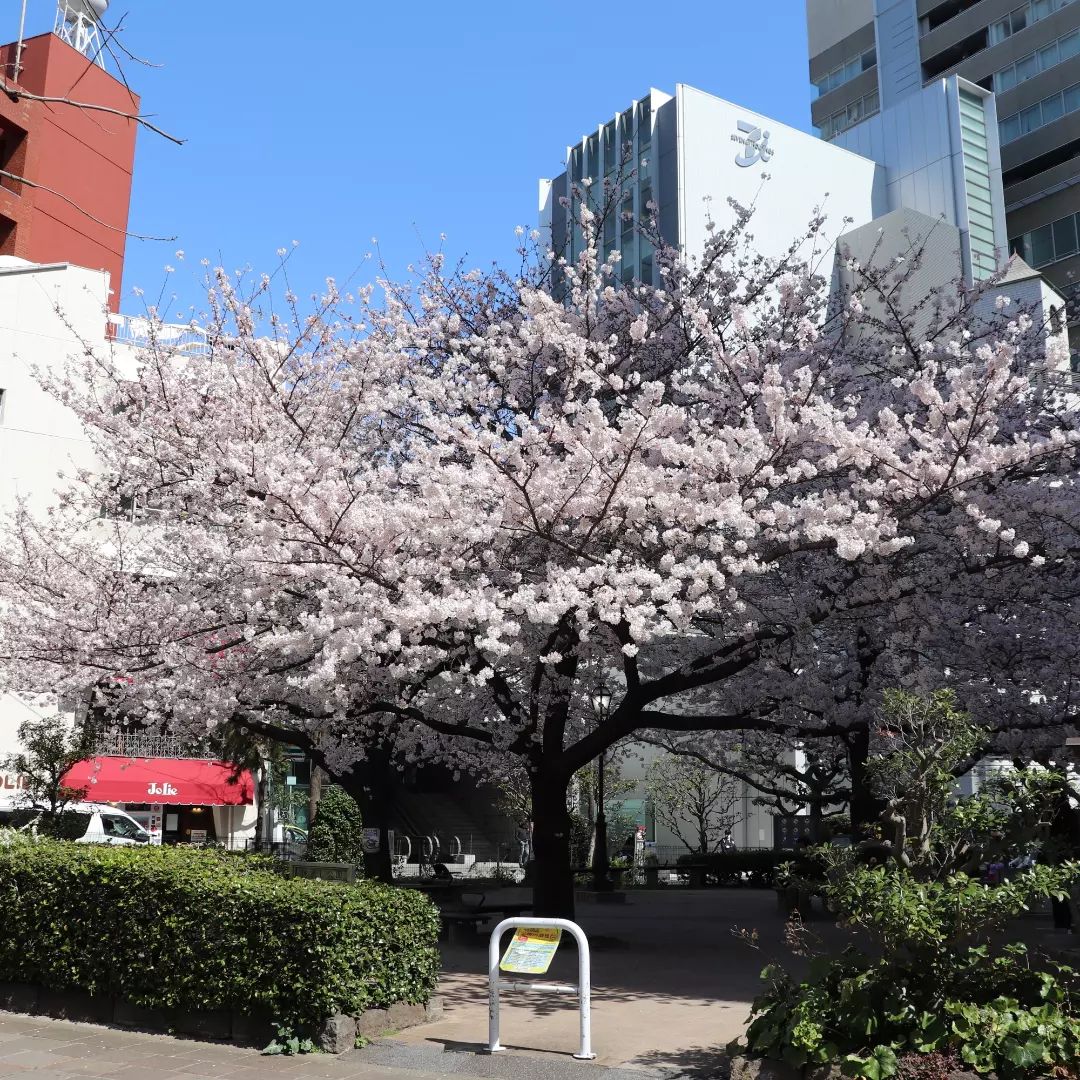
(1048, 57)
(848, 70)
(831, 126)
(121, 828)
(1039, 115)
(644, 124)
(12, 155)
(1043, 60)
(644, 199)
(1023, 17)
(1027, 68)
(1042, 246)
(1052, 109)
(1064, 237)
(610, 152)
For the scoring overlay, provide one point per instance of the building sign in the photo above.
(372, 838)
(11, 782)
(531, 950)
(161, 789)
(754, 143)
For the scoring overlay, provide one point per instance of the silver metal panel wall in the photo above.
(899, 63)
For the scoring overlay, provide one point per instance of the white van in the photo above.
(87, 823)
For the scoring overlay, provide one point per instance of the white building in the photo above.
(921, 167)
(48, 314)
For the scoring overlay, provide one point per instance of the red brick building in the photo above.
(80, 159)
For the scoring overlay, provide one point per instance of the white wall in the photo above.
(805, 173)
(46, 316)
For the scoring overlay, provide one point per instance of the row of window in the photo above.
(1040, 114)
(585, 157)
(846, 72)
(1023, 17)
(1057, 52)
(1048, 244)
(831, 126)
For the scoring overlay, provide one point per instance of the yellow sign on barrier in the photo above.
(531, 950)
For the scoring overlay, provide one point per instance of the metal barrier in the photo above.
(583, 989)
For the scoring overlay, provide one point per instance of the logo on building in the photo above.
(754, 143)
(161, 789)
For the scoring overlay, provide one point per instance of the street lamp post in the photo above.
(600, 865)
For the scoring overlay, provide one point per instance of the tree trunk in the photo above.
(315, 792)
(371, 785)
(553, 876)
(866, 808)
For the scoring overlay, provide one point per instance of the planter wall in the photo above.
(336, 1035)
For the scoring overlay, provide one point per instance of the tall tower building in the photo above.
(65, 171)
(868, 57)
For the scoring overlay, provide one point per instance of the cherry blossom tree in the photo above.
(430, 522)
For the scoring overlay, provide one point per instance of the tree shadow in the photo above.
(693, 1063)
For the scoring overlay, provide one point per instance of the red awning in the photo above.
(177, 781)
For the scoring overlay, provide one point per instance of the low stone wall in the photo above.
(337, 1034)
(748, 1068)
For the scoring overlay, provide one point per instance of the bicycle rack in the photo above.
(583, 989)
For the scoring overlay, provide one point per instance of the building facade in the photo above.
(869, 55)
(65, 188)
(65, 172)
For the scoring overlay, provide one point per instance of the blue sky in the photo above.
(331, 123)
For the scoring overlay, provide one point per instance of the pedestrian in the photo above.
(727, 841)
(524, 839)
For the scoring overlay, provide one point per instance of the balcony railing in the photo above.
(141, 333)
(141, 744)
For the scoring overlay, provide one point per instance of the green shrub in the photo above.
(189, 930)
(939, 982)
(337, 833)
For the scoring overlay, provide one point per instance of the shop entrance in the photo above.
(188, 825)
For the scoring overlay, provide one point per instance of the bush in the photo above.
(337, 833)
(187, 929)
(939, 983)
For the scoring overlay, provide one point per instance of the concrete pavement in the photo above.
(673, 978)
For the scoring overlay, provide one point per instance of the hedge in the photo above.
(759, 865)
(187, 929)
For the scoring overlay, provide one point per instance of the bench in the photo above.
(475, 911)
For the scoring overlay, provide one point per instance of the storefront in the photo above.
(177, 800)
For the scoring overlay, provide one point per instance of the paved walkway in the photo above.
(34, 1048)
(673, 978)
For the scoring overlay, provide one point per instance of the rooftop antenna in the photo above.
(19, 43)
(78, 23)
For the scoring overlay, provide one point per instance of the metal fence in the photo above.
(141, 744)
